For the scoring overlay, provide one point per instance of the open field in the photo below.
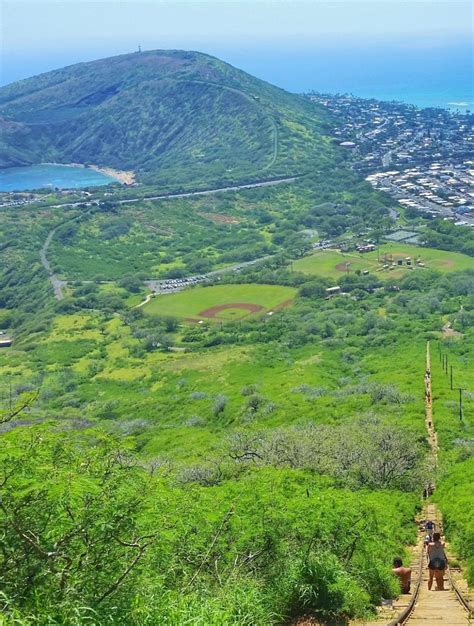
(334, 263)
(221, 302)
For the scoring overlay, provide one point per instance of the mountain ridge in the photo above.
(168, 115)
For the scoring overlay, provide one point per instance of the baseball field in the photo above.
(384, 263)
(221, 302)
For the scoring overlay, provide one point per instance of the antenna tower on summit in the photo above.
(139, 48)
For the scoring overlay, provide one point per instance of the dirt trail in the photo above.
(435, 607)
(57, 283)
(429, 607)
(432, 435)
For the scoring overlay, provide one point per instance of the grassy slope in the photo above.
(161, 388)
(325, 263)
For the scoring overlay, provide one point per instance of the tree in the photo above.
(132, 282)
(69, 517)
(15, 407)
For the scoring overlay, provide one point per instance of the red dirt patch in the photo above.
(448, 263)
(283, 305)
(218, 218)
(342, 267)
(213, 311)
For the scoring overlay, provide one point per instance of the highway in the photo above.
(187, 194)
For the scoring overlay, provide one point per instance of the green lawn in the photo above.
(192, 302)
(334, 263)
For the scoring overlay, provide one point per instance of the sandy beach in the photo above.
(125, 177)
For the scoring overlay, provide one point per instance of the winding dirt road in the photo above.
(57, 283)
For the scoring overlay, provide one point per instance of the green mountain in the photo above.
(172, 116)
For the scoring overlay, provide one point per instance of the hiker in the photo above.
(429, 527)
(437, 562)
(403, 574)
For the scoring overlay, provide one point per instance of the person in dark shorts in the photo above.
(429, 527)
(403, 574)
(437, 562)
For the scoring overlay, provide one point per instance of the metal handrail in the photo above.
(462, 599)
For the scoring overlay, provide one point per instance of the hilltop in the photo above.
(171, 116)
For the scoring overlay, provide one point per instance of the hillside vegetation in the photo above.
(249, 451)
(171, 116)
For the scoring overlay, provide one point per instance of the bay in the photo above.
(48, 175)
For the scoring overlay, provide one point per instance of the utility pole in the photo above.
(460, 403)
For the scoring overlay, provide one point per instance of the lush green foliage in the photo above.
(215, 473)
(88, 530)
(445, 235)
(186, 236)
(455, 496)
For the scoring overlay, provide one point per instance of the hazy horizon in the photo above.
(385, 49)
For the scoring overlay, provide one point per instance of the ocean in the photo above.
(48, 175)
(437, 75)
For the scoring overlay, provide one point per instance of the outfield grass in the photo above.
(193, 302)
(332, 263)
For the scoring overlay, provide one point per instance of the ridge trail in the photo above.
(428, 608)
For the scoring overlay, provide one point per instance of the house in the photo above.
(368, 247)
(333, 291)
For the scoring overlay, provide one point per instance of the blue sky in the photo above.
(38, 36)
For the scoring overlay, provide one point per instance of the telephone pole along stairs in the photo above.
(426, 608)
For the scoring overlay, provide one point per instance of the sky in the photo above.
(259, 36)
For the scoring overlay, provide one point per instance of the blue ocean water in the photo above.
(49, 175)
(436, 74)
(431, 72)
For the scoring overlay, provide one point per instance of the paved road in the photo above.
(188, 194)
(387, 157)
(168, 285)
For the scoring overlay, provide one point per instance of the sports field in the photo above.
(221, 302)
(334, 263)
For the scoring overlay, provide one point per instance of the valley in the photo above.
(213, 410)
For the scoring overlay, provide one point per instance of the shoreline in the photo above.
(126, 177)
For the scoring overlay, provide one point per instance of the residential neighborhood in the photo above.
(421, 157)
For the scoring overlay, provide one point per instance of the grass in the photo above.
(191, 303)
(332, 263)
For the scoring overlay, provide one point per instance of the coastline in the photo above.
(126, 177)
